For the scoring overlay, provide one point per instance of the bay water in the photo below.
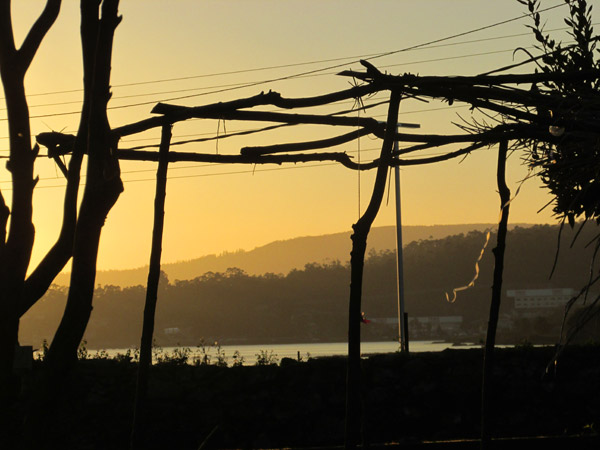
(249, 354)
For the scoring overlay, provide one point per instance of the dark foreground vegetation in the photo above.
(407, 398)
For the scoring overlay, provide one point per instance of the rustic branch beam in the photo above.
(342, 158)
(141, 126)
(270, 116)
(499, 133)
(388, 81)
(270, 98)
(308, 145)
(434, 159)
(212, 138)
(179, 113)
(521, 97)
(248, 132)
(367, 123)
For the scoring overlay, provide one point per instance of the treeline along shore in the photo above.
(310, 304)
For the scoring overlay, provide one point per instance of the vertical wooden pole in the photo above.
(357, 260)
(487, 389)
(402, 334)
(406, 340)
(137, 429)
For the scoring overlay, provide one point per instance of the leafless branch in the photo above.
(340, 157)
(302, 146)
(37, 32)
(434, 159)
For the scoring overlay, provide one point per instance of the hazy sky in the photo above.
(168, 49)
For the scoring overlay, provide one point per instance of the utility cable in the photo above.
(355, 59)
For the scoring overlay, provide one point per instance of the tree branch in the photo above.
(434, 159)
(7, 40)
(4, 214)
(270, 98)
(342, 158)
(37, 32)
(309, 145)
(409, 80)
(213, 138)
(38, 282)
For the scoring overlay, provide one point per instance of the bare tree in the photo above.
(99, 20)
(16, 245)
(103, 185)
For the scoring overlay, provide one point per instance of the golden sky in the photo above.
(169, 49)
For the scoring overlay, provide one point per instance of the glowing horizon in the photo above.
(169, 50)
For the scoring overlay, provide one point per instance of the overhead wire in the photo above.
(240, 71)
(302, 74)
(289, 65)
(219, 88)
(370, 57)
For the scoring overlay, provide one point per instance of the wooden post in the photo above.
(137, 429)
(406, 340)
(487, 388)
(357, 260)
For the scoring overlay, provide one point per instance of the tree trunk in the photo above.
(16, 248)
(137, 429)
(357, 258)
(102, 190)
(40, 279)
(487, 389)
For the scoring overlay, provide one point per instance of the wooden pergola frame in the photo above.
(501, 94)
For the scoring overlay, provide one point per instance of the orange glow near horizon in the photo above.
(216, 45)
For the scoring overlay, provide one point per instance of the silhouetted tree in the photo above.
(103, 184)
(569, 165)
(80, 237)
(16, 245)
(78, 234)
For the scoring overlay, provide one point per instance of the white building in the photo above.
(444, 323)
(530, 299)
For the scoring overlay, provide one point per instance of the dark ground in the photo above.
(407, 398)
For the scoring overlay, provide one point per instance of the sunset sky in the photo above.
(206, 50)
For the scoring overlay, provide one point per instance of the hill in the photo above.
(280, 257)
(311, 304)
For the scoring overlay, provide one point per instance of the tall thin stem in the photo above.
(487, 389)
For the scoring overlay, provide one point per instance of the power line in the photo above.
(149, 94)
(233, 86)
(354, 59)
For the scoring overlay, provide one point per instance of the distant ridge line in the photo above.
(282, 256)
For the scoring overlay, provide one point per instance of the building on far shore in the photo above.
(425, 326)
(536, 302)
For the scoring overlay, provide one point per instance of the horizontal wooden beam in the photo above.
(303, 146)
(340, 157)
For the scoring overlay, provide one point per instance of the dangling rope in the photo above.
(218, 129)
(487, 239)
(358, 171)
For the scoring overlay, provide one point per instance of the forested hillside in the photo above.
(281, 256)
(311, 303)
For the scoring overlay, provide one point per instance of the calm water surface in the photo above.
(249, 352)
